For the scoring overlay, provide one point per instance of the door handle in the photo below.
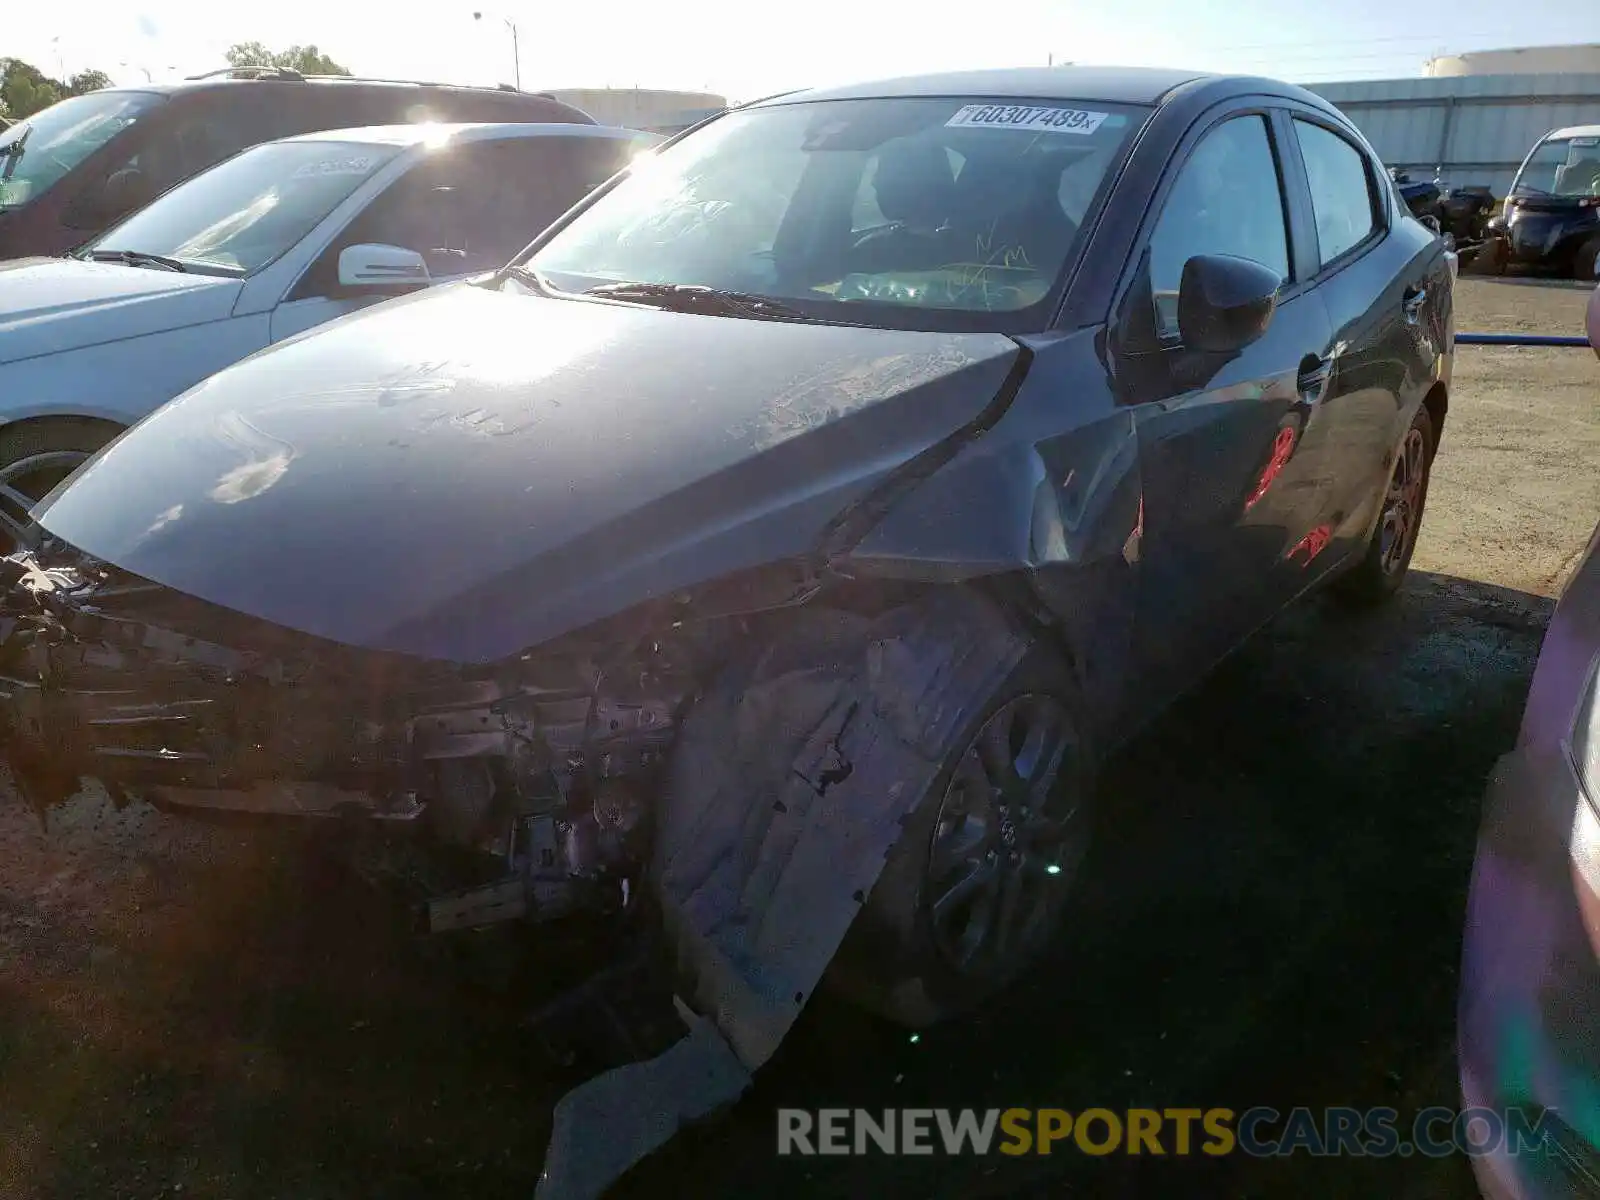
(1411, 304)
(1313, 378)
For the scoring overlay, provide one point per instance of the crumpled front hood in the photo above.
(48, 305)
(464, 473)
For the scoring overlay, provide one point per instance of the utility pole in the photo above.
(516, 52)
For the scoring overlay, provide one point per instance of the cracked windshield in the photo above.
(948, 204)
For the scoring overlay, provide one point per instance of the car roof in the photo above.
(464, 131)
(216, 83)
(1573, 131)
(242, 77)
(1112, 85)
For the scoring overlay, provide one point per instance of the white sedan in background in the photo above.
(280, 238)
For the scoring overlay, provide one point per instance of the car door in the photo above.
(466, 209)
(1383, 288)
(1217, 436)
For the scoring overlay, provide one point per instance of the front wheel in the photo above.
(979, 884)
(893, 805)
(34, 457)
(1382, 569)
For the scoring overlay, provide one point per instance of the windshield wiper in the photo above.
(694, 297)
(526, 276)
(138, 258)
(12, 151)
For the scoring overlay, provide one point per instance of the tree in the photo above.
(24, 89)
(307, 60)
(86, 81)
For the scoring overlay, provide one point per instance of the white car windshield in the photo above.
(939, 213)
(1562, 167)
(243, 214)
(35, 153)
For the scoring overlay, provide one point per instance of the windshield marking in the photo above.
(1022, 116)
(335, 166)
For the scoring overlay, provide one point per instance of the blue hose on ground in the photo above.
(1520, 339)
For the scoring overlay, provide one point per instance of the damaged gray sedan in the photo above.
(765, 559)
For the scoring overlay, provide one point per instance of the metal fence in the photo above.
(1470, 129)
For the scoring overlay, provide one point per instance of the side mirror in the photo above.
(373, 266)
(1225, 302)
(1432, 222)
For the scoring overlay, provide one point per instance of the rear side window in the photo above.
(1226, 200)
(1341, 190)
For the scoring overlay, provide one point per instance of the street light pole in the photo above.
(516, 52)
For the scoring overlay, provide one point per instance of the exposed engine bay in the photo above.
(720, 775)
(545, 765)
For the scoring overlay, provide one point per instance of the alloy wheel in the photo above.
(1007, 840)
(28, 480)
(1402, 506)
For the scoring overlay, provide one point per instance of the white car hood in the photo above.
(48, 305)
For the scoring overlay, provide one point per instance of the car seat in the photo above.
(915, 187)
(1579, 178)
(1008, 213)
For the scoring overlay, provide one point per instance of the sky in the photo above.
(744, 50)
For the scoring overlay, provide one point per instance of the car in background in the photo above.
(1527, 1042)
(1462, 213)
(259, 248)
(72, 169)
(1551, 217)
(776, 546)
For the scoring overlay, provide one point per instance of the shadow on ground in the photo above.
(1272, 917)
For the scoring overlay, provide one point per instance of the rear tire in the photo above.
(1586, 265)
(1383, 567)
(37, 455)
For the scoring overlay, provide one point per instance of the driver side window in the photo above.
(1227, 199)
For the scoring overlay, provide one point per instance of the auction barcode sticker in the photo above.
(1027, 116)
(335, 166)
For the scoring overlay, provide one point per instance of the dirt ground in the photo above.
(1272, 916)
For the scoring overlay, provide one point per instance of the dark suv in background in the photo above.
(68, 172)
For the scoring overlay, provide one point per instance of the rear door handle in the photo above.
(1411, 305)
(1313, 377)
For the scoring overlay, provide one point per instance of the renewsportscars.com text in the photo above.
(1260, 1132)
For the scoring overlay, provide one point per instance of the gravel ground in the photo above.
(1271, 917)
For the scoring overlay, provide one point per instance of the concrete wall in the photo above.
(1475, 129)
(1531, 60)
(643, 108)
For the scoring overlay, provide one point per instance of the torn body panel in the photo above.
(1057, 479)
(792, 782)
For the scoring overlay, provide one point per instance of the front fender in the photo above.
(123, 381)
(1051, 495)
